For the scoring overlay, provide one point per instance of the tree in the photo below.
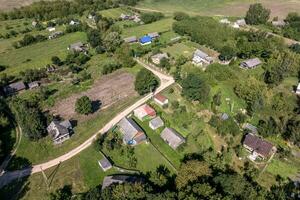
(64, 193)
(178, 16)
(195, 89)
(145, 82)
(56, 60)
(124, 55)
(83, 105)
(191, 171)
(112, 41)
(257, 14)
(164, 63)
(148, 18)
(94, 37)
(29, 117)
(227, 53)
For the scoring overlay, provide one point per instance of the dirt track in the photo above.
(108, 90)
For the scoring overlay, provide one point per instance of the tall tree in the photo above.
(257, 14)
(145, 82)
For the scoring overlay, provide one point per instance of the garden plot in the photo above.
(104, 92)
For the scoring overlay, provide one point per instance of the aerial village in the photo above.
(198, 96)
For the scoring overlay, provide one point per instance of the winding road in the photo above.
(8, 177)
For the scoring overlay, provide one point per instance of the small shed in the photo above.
(224, 116)
(161, 100)
(105, 164)
(33, 85)
(131, 39)
(156, 123)
(14, 88)
(172, 138)
(153, 35)
(251, 63)
(241, 22)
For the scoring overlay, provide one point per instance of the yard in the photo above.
(158, 26)
(114, 12)
(179, 49)
(38, 55)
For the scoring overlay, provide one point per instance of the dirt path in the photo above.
(8, 177)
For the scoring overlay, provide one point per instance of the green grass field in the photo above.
(38, 55)
(179, 49)
(114, 12)
(158, 26)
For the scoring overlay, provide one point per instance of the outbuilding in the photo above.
(105, 164)
(161, 100)
(251, 63)
(172, 138)
(144, 112)
(156, 123)
(145, 40)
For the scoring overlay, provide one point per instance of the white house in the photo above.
(201, 58)
(161, 100)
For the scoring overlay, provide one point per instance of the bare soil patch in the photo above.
(10, 4)
(105, 92)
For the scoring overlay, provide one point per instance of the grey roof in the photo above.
(119, 179)
(33, 84)
(105, 164)
(129, 128)
(173, 138)
(131, 39)
(251, 63)
(14, 87)
(153, 35)
(251, 127)
(241, 22)
(200, 54)
(224, 116)
(279, 23)
(62, 128)
(76, 46)
(157, 122)
(56, 33)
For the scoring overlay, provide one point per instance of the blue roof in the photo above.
(145, 39)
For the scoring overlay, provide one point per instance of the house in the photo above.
(156, 123)
(120, 179)
(124, 16)
(105, 164)
(14, 88)
(251, 128)
(201, 58)
(131, 39)
(258, 146)
(73, 22)
(59, 131)
(224, 21)
(51, 29)
(172, 138)
(77, 47)
(279, 23)
(144, 112)
(158, 57)
(241, 22)
(251, 63)
(33, 85)
(298, 89)
(153, 35)
(136, 18)
(132, 133)
(145, 40)
(55, 35)
(161, 100)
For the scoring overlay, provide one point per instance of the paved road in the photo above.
(7, 177)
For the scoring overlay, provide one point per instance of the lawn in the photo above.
(283, 168)
(114, 12)
(45, 148)
(219, 7)
(179, 49)
(163, 25)
(38, 55)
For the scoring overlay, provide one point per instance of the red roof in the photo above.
(160, 97)
(150, 111)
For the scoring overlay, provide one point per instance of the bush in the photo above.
(148, 18)
(110, 67)
(257, 14)
(83, 105)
